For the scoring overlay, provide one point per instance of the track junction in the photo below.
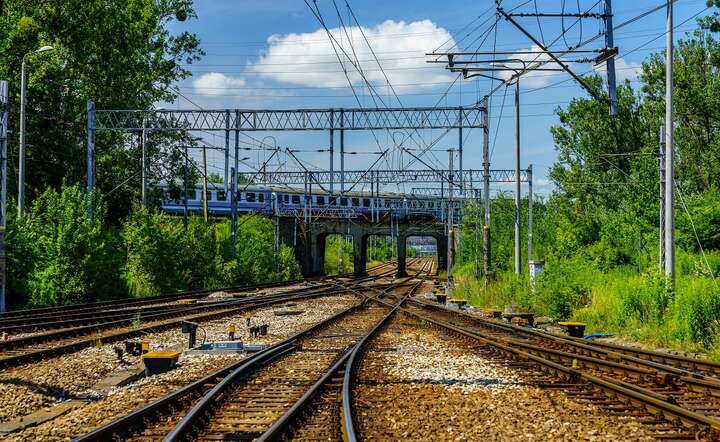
(346, 358)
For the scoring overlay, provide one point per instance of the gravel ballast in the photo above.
(41, 385)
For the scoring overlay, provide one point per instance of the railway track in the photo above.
(86, 314)
(22, 350)
(257, 391)
(676, 404)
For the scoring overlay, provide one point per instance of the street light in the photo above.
(23, 98)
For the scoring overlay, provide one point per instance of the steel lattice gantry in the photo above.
(240, 120)
(384, 177)
(291, 120)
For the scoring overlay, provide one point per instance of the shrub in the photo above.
(68, 256)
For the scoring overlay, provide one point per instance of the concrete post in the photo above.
(359, 254)
(402, 255)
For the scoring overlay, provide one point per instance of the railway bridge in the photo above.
(308, 240)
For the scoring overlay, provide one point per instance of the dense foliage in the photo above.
(117, 53)
(598, 231)
(58, 255)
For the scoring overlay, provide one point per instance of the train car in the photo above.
(291, 201)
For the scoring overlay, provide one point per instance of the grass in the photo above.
(622, 301)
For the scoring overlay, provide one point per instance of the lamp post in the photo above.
(23, 99)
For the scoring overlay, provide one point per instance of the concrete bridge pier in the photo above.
(309, 241)
(360, 254)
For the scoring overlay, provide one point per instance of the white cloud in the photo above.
(534, 78)
(308, 59)
(623, 70)
(215, 83)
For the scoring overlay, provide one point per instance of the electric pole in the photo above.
(205, 186)
(669, 163)
(661, 169)
(3, 185)
(450, 241)
(143, 160)
(518, 269)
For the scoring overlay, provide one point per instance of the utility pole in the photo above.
(235, 196)
(518, 267)
(143, 166)
(205, 185)
(185, 190)
(21, 160)
(4, 102)
(276, 231)
(450, 217)
(486, 190)
(661, 170)
(342, 157)
(23, 102)
(233, 212)
(530, 213)
(610, 62)
(460, 148)
(227, 150)
(332, 153)
(669, 163)
(90, 154)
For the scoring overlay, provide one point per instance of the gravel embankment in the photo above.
(30, 388)
(444, 389)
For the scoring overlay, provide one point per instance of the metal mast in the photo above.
(669, 166)
(518, 268)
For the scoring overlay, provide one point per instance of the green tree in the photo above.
(115, 52)
(65, 256)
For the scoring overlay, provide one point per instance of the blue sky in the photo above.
(263, 54)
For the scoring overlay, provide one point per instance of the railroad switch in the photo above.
(258, 330)
(574, 329)
(157, 362)
(459, 302)
(191, 329)
(231, 332)
(136, 348)
(529, 316)
(517, 320)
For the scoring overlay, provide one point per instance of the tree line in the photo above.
(598, 230)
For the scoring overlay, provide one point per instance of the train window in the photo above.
(250, 197)
(220, 195)
(343, 201)
(261, 197)
(332, 201)
(296, 199)
(286, 198)
(356, 202)
(320, 200)
(366, 202)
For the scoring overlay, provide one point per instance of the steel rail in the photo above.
(282, 427)
(189, 422)
(56, 335)
(130, 422)
(669, 362)
(96, 306)
(100, 317)
(29, 356)
(637, 396)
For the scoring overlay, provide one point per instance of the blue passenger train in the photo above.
(288, 201)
